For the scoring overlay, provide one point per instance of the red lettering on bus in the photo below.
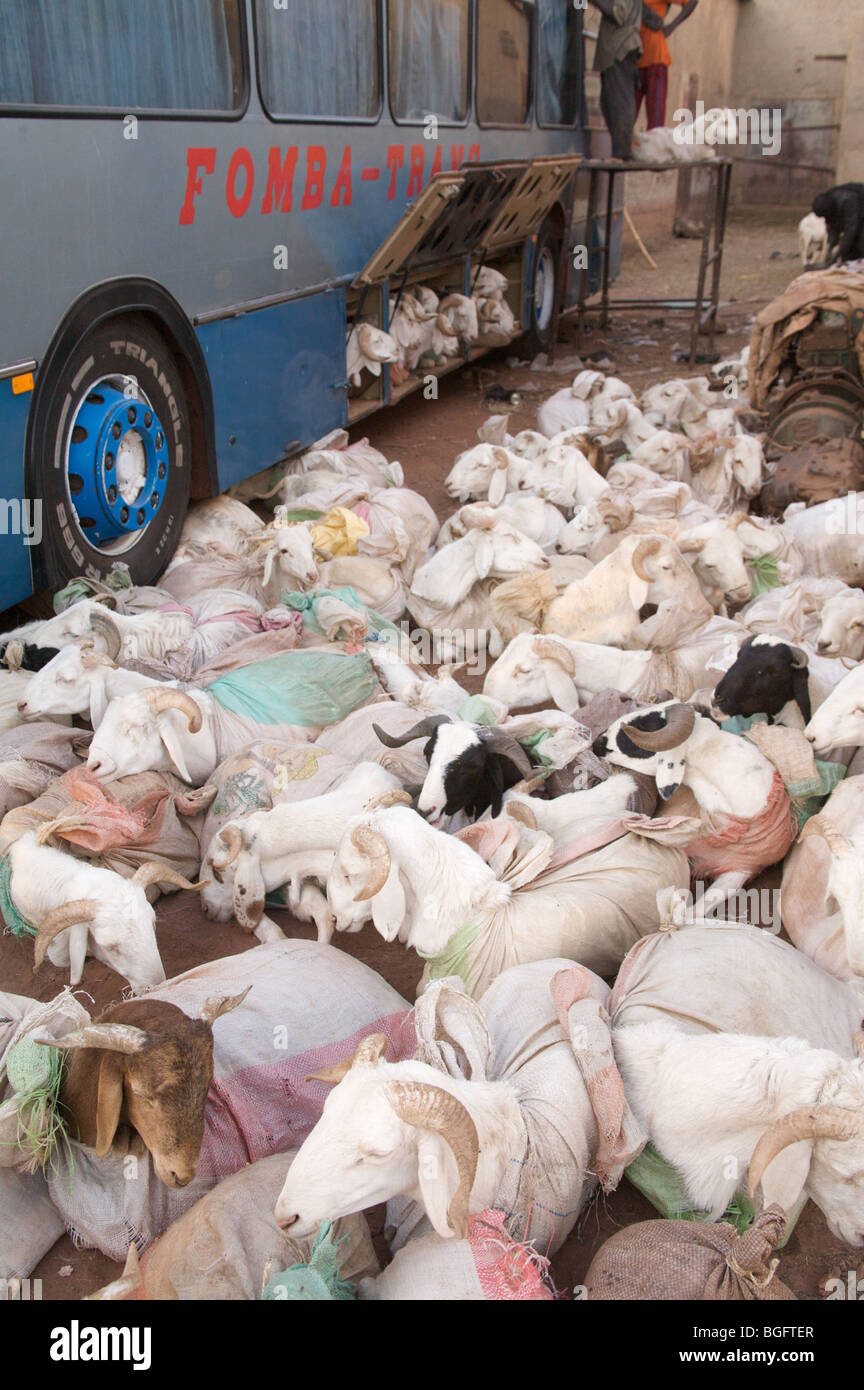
(197, 157)
(415, 178)
(457, 154)
(473, 151)
(437, 162)
(280, 179)
(240, 159)
(343, 182)
(395, 160)
(316, 163)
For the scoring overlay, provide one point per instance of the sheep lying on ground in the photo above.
(436, 894)
(529, 1133)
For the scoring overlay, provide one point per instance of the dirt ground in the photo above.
(760, 260)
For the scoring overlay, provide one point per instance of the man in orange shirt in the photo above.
(653, 71)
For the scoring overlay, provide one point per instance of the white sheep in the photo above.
(367, 348)
(604, 606)
(828, 536)
(813, 241)
(101, 914)
(79, 680)
(434, 893)
(841, 632)
(528, 1134)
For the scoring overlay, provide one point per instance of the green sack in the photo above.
(304, 687)
(317, 1281)
(655, 1177)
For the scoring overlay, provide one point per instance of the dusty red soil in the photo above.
(426, 436)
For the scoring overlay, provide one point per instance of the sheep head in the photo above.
(147, 1065)
(386, 1129)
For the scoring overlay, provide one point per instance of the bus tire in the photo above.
(544, 288)
(111, 353)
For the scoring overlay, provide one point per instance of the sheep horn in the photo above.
(858, 1040)
(641, 553)
(431, 1107)
(549, 650)
(822, 1122)
(366, 339)
(150, 872)
(215, 1005)
(100, 622)
(424, 729)
(231, 837)
(60, 919)
(112, 1037)
(159, 700)
(518, 811)
(395, 797)
(374, 848)
(368, 1052)
(799, 658)
(678, 727)
(499, 741)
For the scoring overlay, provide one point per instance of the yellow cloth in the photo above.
(339, 532)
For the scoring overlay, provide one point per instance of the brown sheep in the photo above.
(145, 1066)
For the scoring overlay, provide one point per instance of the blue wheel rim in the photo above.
(117, 464)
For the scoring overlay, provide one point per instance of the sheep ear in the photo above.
(637, 591)
(801, 691)
(173, 740)
(438, 1180)
(249, 890)
(389, 907)
(109, 1102)
(495, 772)
(98, 702)
(669, 776)
(78, 937)
(784, 1178)
(561, 687)
(498, 487)
(483, 553)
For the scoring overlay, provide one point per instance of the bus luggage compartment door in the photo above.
(278, 377)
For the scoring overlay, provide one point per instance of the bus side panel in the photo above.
(278, 378)
(16, 578)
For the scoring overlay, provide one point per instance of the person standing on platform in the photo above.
(616, 59)
(652, 81)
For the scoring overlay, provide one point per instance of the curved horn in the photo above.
(231, 836)
(60, 919)
(549, 650)
(159, 700)
(110, 632)
(369, 1051)
(799, 658)
(376, 849)
(641, 554)
(366, 338)
(395, 797)
(431, 1107)
(422, 730)
(215, 1005)
(150, 872)
(678, 727)
(499, 741)
(822, 1122)
(111, 1037)
(518, 811)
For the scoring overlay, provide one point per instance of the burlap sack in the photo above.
(119, 825)
(221, 1248)
(690, 1260)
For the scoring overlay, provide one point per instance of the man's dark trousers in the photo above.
(618, 102)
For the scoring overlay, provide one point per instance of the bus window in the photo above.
(319, 59)
(559, 63)
(503, 61)
(429, 59)
(165, 55)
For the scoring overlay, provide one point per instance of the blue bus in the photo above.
(201, 197)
